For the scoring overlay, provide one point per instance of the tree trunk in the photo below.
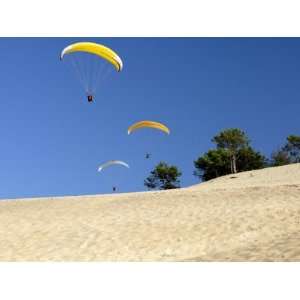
(234, 164)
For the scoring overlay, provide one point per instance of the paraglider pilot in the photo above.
(114, 188)
(90, 98)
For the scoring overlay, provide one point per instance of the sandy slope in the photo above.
(253, 217)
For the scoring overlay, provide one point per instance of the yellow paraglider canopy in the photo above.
(150, 124)
(97, 49)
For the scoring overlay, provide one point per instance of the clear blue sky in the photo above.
(52, 139)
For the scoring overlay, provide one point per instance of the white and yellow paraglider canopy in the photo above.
(148, 124)
(92, 63)
(96, 49)
(111, 163)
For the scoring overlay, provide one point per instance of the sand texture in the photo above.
(250, 216)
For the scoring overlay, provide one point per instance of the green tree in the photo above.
(163, 177)
(216, 162)
(280, 158)
(288, 154)
(248, 159)
(232, 140)
(292, 147)
(212, 164)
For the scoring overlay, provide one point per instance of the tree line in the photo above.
(232, 153)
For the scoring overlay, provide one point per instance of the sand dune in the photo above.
(251, 216)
